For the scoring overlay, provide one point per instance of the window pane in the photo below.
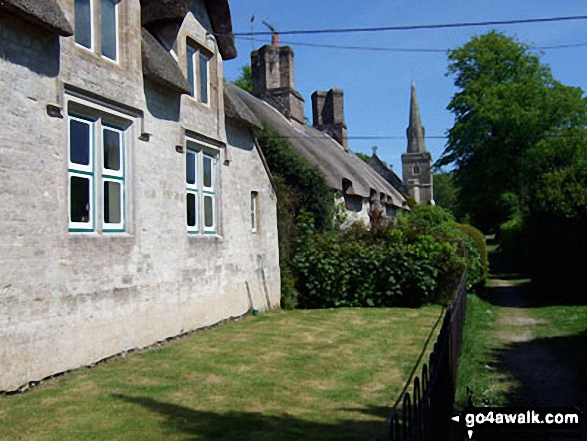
(108, 28)
(207, 171)
(190, 167)
(79, 210)
(191, 74)
(191, 209)
(111, 142)
(208, 211)
(112, 202)
(83, 23)
(79, 142)
(203, 78)
(254, 212)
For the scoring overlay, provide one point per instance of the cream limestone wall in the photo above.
(71, 299)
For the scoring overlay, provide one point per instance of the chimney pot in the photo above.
(275, 39)
(273, 80)
(328, 114)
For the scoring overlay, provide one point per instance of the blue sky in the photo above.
(377, 84)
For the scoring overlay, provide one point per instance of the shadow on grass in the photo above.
(546, 371)
(254, 426)
(527, 294)
(543, 372)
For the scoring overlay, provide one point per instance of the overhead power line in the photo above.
(396, 49)
(416, 27)
(387, 137)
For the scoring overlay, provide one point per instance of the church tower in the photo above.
(417, 162)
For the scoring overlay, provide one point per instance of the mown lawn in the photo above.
(295, 375)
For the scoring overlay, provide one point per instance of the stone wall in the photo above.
(417, 173)
(69, 299)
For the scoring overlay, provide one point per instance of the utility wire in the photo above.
(336, 46)
(397, 49)
(416, 27)
(386, 137)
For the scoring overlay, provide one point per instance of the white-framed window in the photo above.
(254, 212)
(84, 19)
(85, 13)
(192, 193)
(201, 163)
(96, 171)
(109, 29)
(198, 67)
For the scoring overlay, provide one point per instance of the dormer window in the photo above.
(107, 39)
(83, 23)
(109, 28)
(198, 66)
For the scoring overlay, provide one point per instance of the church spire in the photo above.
(415, 130)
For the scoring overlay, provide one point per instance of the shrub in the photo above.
(470, 242)
(511, 238)
(303, 196)
(477, 256)
(306, 185)
(385, 267)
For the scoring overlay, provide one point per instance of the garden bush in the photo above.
(420, 260)
(477, 256)
(301, 192)
(306, 185)
(384, 267)
(435, 221)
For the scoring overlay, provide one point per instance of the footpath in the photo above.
(543, 379)
(538, 376)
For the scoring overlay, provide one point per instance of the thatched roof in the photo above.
(320, 150)
(154, 12)
(235, 108)
(219, 13)
(160, 67)
(46, 14)
(386, 173)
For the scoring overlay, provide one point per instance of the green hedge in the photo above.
(306, 185)
(418, 261)
(435, 221)
(300, 189)
(386, 267)
(477, 256)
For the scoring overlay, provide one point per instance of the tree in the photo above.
(507, 103)
(446, 192)
(364, 157)
(245, 81)
(554, 234)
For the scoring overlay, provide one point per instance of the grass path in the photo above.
(523, 348)
(542, 378)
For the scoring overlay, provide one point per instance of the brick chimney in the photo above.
(328, 114)
(273, 79)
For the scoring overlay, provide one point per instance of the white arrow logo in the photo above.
(470, 432)
(455, 418)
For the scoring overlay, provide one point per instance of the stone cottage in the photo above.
(324, 144)
(132, 208)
